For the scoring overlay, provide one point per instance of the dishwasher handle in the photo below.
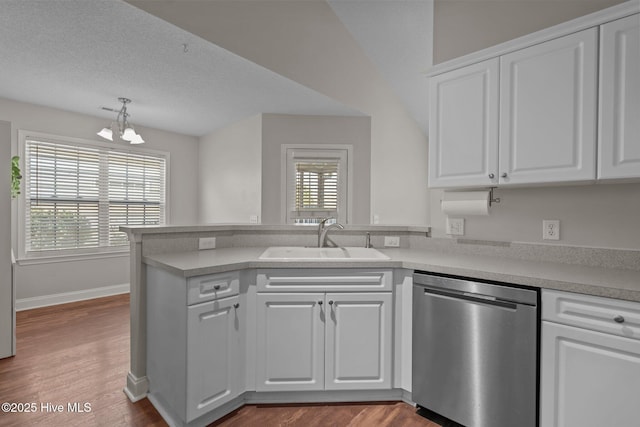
(468, 296)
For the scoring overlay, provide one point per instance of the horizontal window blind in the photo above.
(316, 189)
(77, 196)
(316, 184)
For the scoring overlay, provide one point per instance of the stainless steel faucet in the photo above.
(324, 229)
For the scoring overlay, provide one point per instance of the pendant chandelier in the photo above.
(121, 126)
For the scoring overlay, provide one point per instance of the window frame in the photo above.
(75, 254)
(321, 152)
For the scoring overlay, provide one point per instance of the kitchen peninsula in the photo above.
(172, 251)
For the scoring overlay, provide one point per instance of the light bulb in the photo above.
(128, 134)
(137, 139)
(106, 133)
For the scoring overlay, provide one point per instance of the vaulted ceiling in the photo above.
(80, 55)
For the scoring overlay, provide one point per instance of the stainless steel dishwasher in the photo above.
(475, 350)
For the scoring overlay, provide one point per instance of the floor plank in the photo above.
(73, 354)
(78, 353)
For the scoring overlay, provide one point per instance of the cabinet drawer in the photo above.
(607, 315)
(318, 279)
(212, 286)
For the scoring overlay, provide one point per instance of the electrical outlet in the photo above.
(392, 241)
(551, 229)
(207, 243)
(253, 219)
(455, 226)
(376, 219)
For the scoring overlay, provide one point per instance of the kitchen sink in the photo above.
(334, 254)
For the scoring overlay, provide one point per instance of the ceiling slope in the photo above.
(397, 35)
(79, 55)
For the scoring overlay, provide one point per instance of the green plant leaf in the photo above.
(16, 176)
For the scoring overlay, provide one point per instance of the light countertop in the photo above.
(606, 282)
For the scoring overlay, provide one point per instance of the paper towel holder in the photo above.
(491, 198)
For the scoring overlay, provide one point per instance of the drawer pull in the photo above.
(217, 287)
(619, 319)
(236, 305)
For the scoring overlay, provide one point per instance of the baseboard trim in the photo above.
(322, 396)
(136, 388)
(275, 397)
(66, 297)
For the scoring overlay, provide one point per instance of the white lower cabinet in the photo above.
(358, 341)
(323, 340)
(213, 355)
(590, 366)
(290, 342)
(315, 330)
(319, 341)
(195, 360)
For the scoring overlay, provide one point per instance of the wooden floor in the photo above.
(77, 354)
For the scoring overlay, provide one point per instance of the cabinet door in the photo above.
(588, 379)
(548, 111)
(619, 142)
(463, 126)
(213, 355)
(358, 340)
(290, 342)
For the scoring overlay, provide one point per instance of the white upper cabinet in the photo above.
(463, 133)
(558, 106)
(619, 139)
(548, 111)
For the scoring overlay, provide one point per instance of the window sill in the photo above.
(50, 259)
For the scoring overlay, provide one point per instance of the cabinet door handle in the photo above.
(319, 302)
(504, 174)
(619, 319)
(491, 176)
(330, 302)
(236, 305)
(216, 287)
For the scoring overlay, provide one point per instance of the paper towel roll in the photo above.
(464, 203)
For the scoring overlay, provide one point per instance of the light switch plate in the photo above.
(455, 226)
(207, 243)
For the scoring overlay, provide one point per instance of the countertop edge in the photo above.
(247, 258)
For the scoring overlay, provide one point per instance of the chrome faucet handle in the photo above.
(322, 235)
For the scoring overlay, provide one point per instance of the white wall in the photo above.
(602, 215)
(306, 42)
(278, 129)
(230, 173)
(590, 215)
(465, 26)
(6, 292)
(37, 281)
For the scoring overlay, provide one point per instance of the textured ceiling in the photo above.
(397, 36)
(79, 55)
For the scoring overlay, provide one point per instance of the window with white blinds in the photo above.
(77, 196)
(316, 185)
